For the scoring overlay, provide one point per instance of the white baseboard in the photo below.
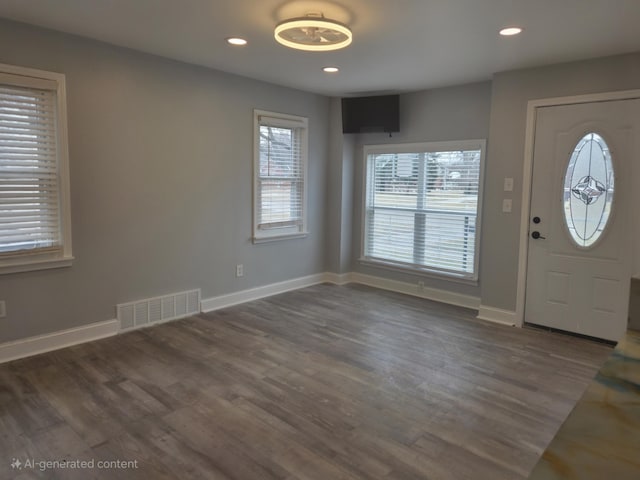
(497, 315)
(435, 294)
(215, 303)
(235, 298)
(56, 340)
(338, 278)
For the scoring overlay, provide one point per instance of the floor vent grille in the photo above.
(150, 311)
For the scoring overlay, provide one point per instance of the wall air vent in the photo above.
(150, 311)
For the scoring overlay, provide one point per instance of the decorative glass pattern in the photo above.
(588, 190)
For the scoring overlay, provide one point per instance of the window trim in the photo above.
(426, 147)
(25, 261)
(287, 121)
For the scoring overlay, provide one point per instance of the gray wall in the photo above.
(454, 113)
(339, 193)
(161, 175)
(333, 211)
(511, 92)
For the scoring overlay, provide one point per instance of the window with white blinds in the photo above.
(33, 174)
(422, 206)
(280, 175)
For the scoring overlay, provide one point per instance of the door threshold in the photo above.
(611, 343)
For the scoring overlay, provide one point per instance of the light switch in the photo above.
(506, 205)
(508, 184)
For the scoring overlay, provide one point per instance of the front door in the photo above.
(580, 256)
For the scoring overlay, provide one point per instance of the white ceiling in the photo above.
(398, 46)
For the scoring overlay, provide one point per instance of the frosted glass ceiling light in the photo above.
(313, 33)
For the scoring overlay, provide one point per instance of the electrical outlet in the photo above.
(239, 270)
(506, 205)
(3, 309)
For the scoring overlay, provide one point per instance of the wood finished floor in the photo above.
(322, 383)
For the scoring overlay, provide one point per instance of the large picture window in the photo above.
(422, 204)
(280, 166)
(35, 229)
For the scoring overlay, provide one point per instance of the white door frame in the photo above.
(527, 177)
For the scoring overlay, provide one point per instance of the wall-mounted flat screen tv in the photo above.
(371, 114)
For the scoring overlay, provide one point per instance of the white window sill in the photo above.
(276, 238)
(424, 272)
(29, 265)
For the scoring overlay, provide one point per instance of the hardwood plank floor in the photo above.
(328, 382)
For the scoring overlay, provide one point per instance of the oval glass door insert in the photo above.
(588, 190)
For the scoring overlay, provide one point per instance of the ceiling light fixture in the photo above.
(330, 69)
(509, 31)
(237, 41)
(313, 33)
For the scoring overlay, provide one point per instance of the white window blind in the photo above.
(280, 175)
(422, 209)
(34, 192)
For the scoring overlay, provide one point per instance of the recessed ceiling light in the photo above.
(509, 31)
(236, 41)
(331, 69)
